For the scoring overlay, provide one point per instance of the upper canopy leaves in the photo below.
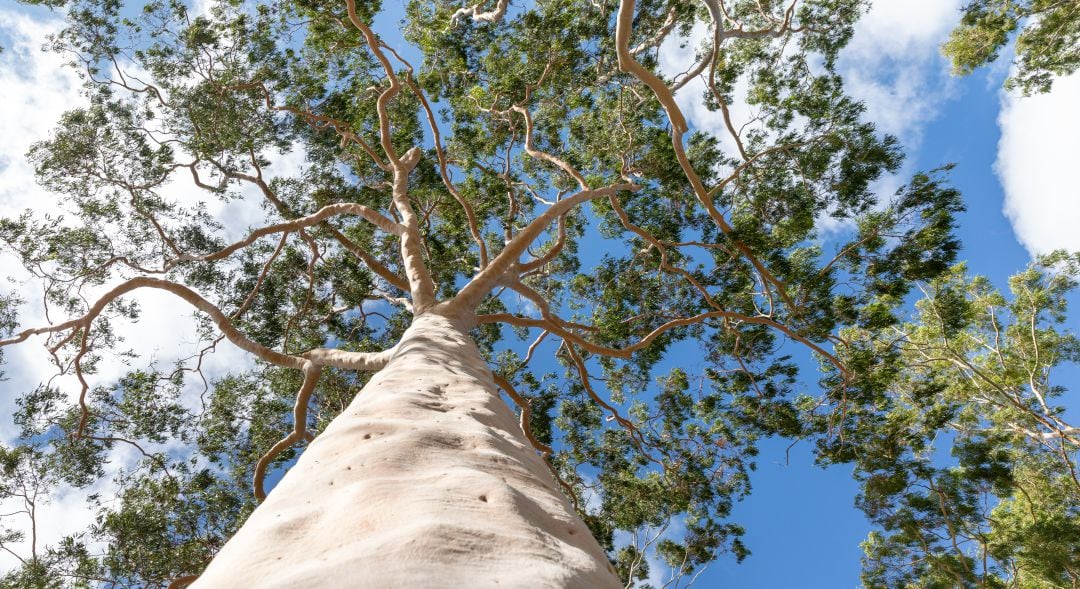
(1047, 45)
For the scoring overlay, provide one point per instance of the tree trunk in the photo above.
(424, 481)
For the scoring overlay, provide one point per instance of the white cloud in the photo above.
(896, 28)
(1037, 153)
(893, 64)
(35, 88)
(677, 55)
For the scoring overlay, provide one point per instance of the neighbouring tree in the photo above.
(516, 181)
(1047, 44)
(967, 462)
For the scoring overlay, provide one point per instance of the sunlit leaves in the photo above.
(1047, 47)
(971, 373)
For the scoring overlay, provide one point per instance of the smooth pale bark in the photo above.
(424, 481)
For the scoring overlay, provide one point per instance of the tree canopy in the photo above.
(528, 166)
(1045, 36)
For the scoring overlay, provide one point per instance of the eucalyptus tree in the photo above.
(522, 179)
(1045, 37)
(968, 463)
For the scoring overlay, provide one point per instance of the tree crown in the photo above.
(530, 173)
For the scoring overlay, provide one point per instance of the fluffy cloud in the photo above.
(893, 64)
(1040, 141)
(35, 88)
(895, 28)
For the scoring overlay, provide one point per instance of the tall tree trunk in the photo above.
(424, 481)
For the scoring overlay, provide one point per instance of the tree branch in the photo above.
(444, 173)
(421, 285)
(476, 12)
(285, 211)
(526, 414)
(293, 225)
(312, 372)
(628, 63)
(217, 315)
(470, 296)
(632, 430)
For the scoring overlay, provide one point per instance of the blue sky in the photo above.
(1011, 154)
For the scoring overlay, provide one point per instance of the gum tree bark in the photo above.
(426, 480)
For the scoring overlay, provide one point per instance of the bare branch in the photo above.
(536, 153)
(312, 372)
(474, 292)
(542, 304)
(296, 224)
(476, 12)
(553, 251)
(526, 414)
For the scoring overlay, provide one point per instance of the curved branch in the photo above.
(311, 362)
(661, 33)
(526, 414)
(217, 315)
(285, 211)
(628, 63)
(315, 218)
(544, 306)
(444, 173)
(312, 372)
(646, 235)
(543, 155)
(532, 349)
(474, 292)
(476, 12)
(553, 251)
(421, 286)
(385, 136)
